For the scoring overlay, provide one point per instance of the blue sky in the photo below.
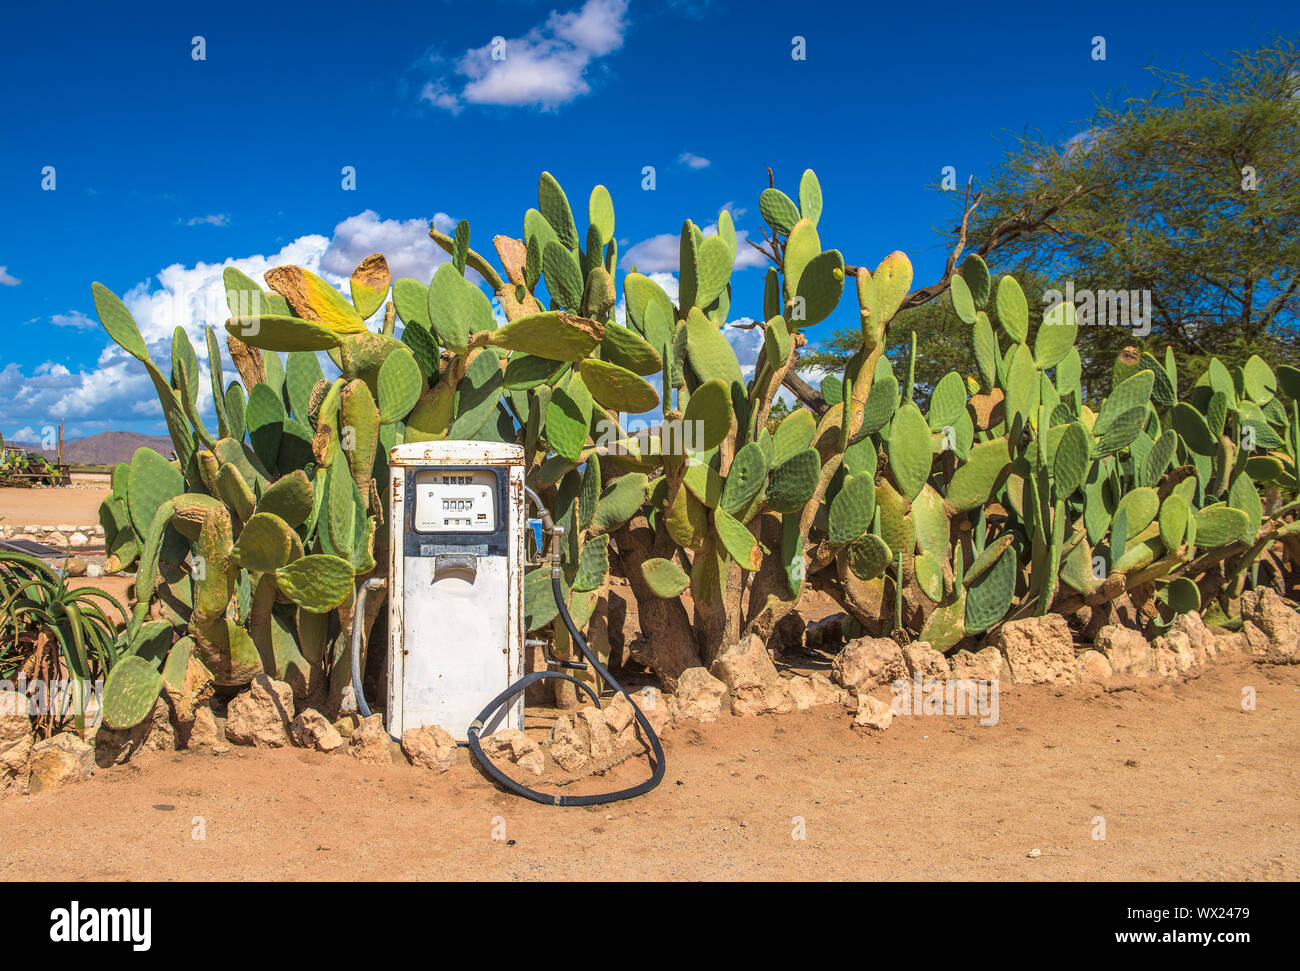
(166, 168)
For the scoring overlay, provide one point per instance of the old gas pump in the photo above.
(457, 557)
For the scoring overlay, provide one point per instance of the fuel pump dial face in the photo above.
(452, 501)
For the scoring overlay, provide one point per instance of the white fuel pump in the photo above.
(457, 557)
(456, 569)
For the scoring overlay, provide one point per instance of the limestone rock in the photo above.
(869, 662)
(1094, 668)
(986, 665)
(195, 688)
(873, 713)
(752, 679)
(1039, 650)
(1280, 624)
(311, 729)
(261, 715)
(369, 743)
(924, 660)
(569, 748)
(600, 742)
(430, 747)
(15, 742)
(1128, 651)
(698, 696)
(60, 760)
(155, 734)
(205, 733)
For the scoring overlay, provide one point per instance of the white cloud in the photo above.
(693, 161)
(547, 67)
(216, 219)
(662, 253)
(116, 393)
(74, 319)
(6, 279)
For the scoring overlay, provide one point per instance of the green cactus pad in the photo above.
(617, 388)
(1013, 309)
(821, 284)
(779, 211)
(711, 356)
(553, 335)
(130, 692)
(947, 402)
(593, 564)
(909, 450)
(625, 347)
(705, 484)
(1191, 426)
(274, 333)
(794, 482)
(265, 543)
(316, 583)
(1244, 495)
(793, 435)
(153, 481)
(747, 475)
(1072, 460)
(664, 578)
(1183, 596)
(869, 556)
(1139, 507)
(851, 510)
(738, 541)
(554, 205)
(289, 497)
(709, 416)
(568, 419)
(1056, 335)
(619, 503)
(399, 384)
(975, 480)
(1220, 525)
(989, 596)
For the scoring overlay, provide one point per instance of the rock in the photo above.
(155, 734)
(528, 755)
(1039, 650)
(311, 729)
(1127, 651)
(752, 679)
(698, 696)
(79, 539)
(873, 713)
(569, 748)
(369, 743)
(94, 571)
(1279, 623)
(59, 760)
(205, 732)
(987, 665)
(195, 688)
(430, 747)
(1094, 668)
(867, 663)
(600, 743)
(619, 714)
(260, 716)
(1200, 638)
(1034, 854)
(1181, 655)
(1166, 660)
(826, 693)
(1229, 644)
(925, 661)
(347, 724)
(76, 566)
(66, 528)
(801, 693)
(788, 632)
(825, 633)
(15, 742)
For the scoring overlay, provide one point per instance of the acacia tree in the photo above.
(1188, 195)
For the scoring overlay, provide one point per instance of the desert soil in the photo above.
(77, 506)
(1190, 786)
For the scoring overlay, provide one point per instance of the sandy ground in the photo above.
(53, 507)
(1189, 785)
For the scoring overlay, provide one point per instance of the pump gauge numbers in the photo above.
(447, 501)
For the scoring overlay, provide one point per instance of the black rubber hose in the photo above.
(501, 700)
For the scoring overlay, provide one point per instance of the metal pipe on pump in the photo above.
(457, 558)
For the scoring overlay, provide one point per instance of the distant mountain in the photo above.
(106, 448)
